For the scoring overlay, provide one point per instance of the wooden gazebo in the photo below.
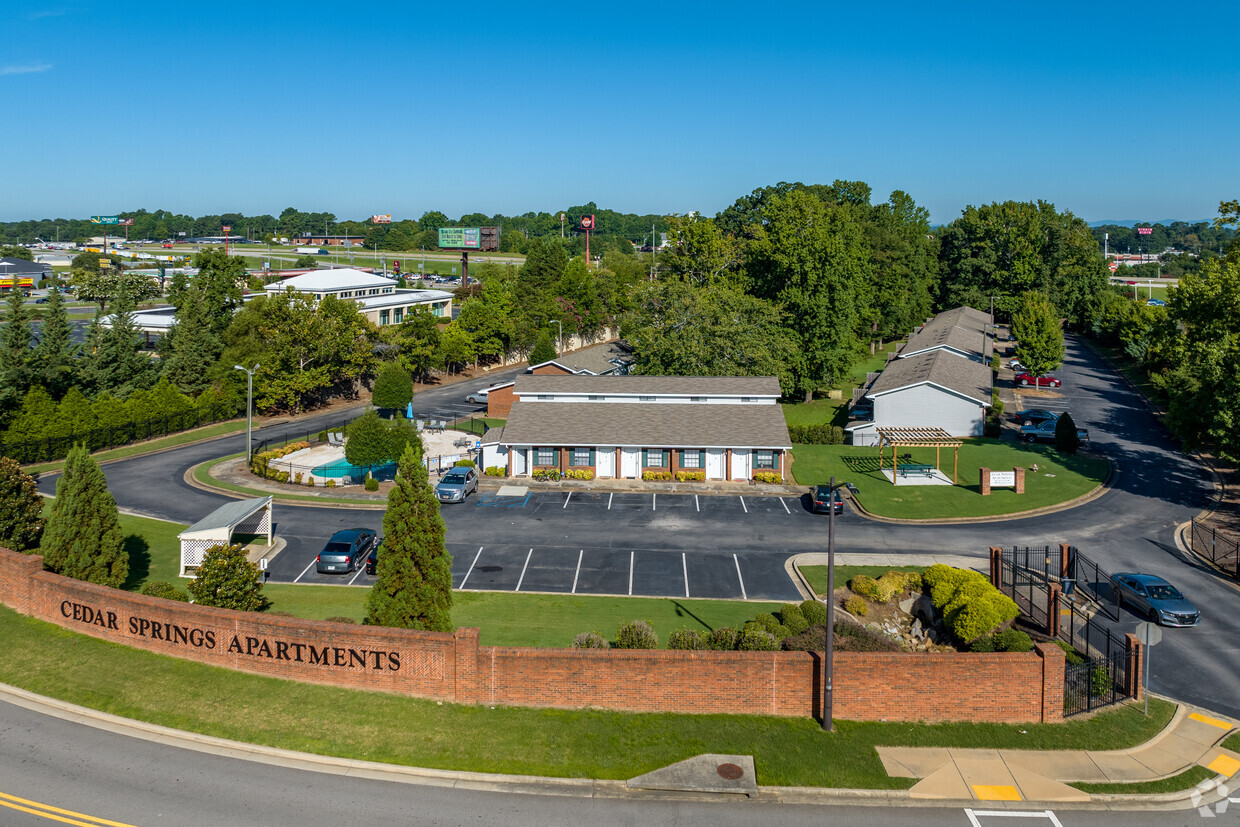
(935, 438)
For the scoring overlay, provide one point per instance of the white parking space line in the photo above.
(471, 566)
(784, 504)
(632, 554)
(566, 499)
(361, 570)
(1046, 814)
(744, 506)
(306, 569)
(696, 504)
(654, 502)
(738, 577)
(684, 564)
(609, 496)
(577, 573)
(521, 579)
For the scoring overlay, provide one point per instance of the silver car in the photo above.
(457, 484)
(1157, 599)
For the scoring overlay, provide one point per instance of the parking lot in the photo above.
(652, 545)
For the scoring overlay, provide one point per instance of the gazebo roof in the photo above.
(220, 522)
(917, 438)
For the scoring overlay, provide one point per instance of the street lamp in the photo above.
(249, 405)
(828, 665)
(559, 349)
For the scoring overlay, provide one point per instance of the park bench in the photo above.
(915, 470)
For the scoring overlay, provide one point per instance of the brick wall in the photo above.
(453, 667)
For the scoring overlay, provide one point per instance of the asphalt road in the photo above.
(661, 545)
(103, 777)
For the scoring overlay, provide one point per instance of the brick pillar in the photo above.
(727, 465)
(984, 481)
(1134, 663)
(1053, 662)
(563, 460)
(1020, 480)
(467, 689)
(1065, 561)
(17, 573)
(619, 474)
(671, 461)
(996, 556)
(1052, 611)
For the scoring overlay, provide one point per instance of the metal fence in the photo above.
(1095, 581)
(1220, 549)
(112, 436)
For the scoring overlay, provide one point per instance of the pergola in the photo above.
(935, 438)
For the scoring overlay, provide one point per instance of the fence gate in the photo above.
(1094, 581)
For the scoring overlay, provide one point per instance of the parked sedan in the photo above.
(1046, 381)
(457, 484)
(822, 494)
(345, 551)
(1035, 416)
(1045, 432)
(1157, 599)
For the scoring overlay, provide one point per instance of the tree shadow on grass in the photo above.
(139, 551)
(861, 465)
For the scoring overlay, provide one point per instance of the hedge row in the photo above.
(816, 434)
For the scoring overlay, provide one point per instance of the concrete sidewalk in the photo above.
(1191, 739)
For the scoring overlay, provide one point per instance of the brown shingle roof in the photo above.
(649, 385)
(961, 328)
(635, 424)
(595, 359)
(964, 376)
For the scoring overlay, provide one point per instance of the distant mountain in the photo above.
(1132, 222)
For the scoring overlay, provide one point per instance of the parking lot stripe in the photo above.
(566, 499)
(738, 577)
(632, 554)
(744, 506)
(609, 496)
(306, 569)
(654, 506)
(521, 579)
(471, 566)
(684, 564)
(784, 504)
(360, 570)
(696, 504)
(577, 573)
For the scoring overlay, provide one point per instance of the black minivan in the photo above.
(345, 551)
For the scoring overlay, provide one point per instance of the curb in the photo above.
(191, 481)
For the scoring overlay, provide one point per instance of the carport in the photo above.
(218, 527)
(936, 438)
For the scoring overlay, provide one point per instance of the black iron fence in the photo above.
(1219, 548)
(50, 448)
(1094, 581)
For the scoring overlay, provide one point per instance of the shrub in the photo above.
(160, 588)
(310, 482)
(756, 640)
(657, 476)
(330, 483)
(821, 434)
(590, 640)
(891, 584)
(1013, 640)
(579, 473)
(496, 471)
(815, 612)
(465, 463)
(546, 473)
(372, 484)
(1100, 681)
(1071, 655)
(228, 580)
(856, 606)
(971, 607)
(636, 634)
(769, 477)
(691, 476)
(767, 621)
(865, 586)
(722, 639)
(983, 644)
(793, 618)
(339, 619)
(693, 639)
(849, 637)
(297, 478)
(321, 436)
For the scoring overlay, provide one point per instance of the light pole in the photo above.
(249, 405)
(559, 338)
(828, 665)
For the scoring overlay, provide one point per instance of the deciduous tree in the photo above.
(393, 388)
(1039, 334)
(228, 580)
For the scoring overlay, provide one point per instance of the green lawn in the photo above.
(474, 424)
(835, 411)
(1059, 478)
(1186, 780)
(587, 743)
(150, 446)
(1232, 742)
(816, 576)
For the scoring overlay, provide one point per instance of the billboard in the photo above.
(105, 219)
(381, 219)
(1144, 230)
(128, 222)
(587, 222)
(460, 238)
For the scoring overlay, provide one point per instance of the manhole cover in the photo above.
(729, 771)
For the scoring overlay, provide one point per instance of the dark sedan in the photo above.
(1035, 416)
(822, 495)
(1158, 600)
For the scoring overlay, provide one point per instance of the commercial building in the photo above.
(378, 297)
(21, 274)
(328, 241)
(725, 427)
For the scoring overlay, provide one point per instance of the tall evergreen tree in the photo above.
(543, 350)
(15, 353)
(122, 369)
(193, 345)
(21, 508)
(413, 589)
(53, 355)
(83, 536)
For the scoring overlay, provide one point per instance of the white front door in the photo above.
(740, 463)
(518, 462)
(714, 463)
(605, 462)
(629, 460)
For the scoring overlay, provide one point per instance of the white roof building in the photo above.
(380, 300)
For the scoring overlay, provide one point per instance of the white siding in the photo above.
(494, 455)
(925, 406)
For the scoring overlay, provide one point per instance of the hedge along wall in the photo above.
(998, 687)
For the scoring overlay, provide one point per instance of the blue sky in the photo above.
(1112, 111)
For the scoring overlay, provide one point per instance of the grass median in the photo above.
(373, 726)
(1060, 478)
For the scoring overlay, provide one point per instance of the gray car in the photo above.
(1158, 600)
(457, 484)
(345, 551)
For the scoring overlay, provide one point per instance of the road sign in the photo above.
(1114, 265)
(1148, 633)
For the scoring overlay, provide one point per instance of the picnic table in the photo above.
(916, 470)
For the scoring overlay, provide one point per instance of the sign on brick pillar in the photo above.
(984, 481)
(996, 566)
(1132, 667)
(466, 690)
(1020, 480)
(1052, 611)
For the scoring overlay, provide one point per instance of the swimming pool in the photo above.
(338, 468)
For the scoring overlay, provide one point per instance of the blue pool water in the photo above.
(338, 468)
